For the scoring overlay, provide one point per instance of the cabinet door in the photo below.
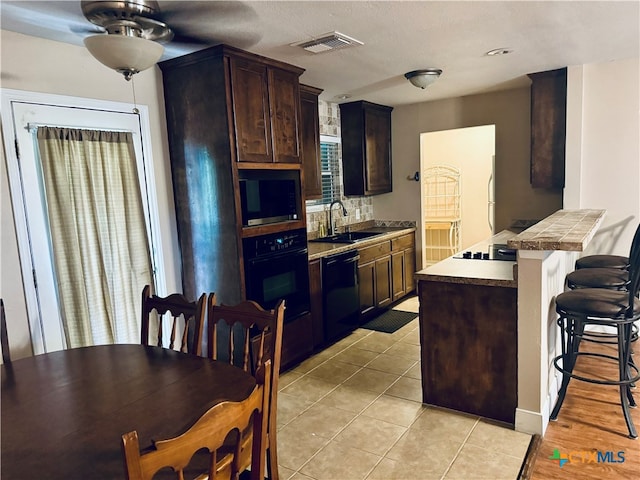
(312, 169)
(409, 270)
(548, 128)
(250, 99)
(366, 148)
(284, 100)
(367, 287)
(383, 281)
(398, 268)
(378, 151)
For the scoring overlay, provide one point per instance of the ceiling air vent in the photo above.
(329, 41)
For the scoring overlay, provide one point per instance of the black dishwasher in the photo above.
(340, 294)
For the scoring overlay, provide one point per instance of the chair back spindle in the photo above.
(183, 314)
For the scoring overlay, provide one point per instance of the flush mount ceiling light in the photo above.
(423, 78)
(130, 42)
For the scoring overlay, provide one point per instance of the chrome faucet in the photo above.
(344, 213)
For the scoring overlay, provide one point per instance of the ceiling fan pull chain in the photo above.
(135, 103)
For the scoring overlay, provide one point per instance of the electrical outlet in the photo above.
(357, 214)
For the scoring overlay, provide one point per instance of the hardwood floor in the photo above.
(590, 424)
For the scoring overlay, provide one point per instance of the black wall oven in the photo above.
(277, 266)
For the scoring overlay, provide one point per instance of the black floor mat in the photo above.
(390, 321)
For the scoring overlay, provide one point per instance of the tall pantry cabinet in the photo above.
(229, 114)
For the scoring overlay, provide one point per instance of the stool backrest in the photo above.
(634, 271)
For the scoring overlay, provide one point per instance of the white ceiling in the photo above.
(398, 36)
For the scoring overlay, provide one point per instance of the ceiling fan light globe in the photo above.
(124, 53)
(423, 78)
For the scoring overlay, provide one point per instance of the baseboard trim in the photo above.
(534, 423)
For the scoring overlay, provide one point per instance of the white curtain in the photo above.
(98, 233)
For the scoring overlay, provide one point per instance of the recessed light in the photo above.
(498, 51)
(343, 96)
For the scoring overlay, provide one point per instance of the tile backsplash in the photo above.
(314, 219)
(329, 118)
(330, 125)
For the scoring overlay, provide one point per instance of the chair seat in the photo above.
(611, 278)
(597, 302)
(603, 261)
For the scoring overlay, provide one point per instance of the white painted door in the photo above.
(21, 112)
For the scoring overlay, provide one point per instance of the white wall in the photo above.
(602, 172)
(603, 149)
(34, 64)
(509, 111)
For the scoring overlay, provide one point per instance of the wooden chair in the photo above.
(178, 306)
(259, 333)
(4, 340)
(222, 422)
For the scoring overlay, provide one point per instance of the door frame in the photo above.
(8, 98)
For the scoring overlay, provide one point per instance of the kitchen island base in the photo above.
(469, 341)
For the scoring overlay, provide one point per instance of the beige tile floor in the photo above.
(354, 412)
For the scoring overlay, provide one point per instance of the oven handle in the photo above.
(271, 256)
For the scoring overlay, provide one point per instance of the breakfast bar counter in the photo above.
(546, 254)
(488, 328)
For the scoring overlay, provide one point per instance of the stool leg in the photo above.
(628, 331)
(570, 344)
(623, 359)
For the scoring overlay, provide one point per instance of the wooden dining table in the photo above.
(63, 413)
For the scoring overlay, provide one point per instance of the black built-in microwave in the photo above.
(268, 201)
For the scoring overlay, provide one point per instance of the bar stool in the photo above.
(618, 262)
(618, 309)
(611, 278)
(603, 261)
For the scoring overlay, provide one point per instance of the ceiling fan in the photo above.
(132, 34)
(129, 34)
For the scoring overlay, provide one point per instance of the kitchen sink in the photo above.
(347, 237)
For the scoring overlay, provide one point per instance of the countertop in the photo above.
(319, 250)
(568, 230)
(496, 273)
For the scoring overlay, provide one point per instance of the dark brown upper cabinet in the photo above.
(548, 128)
(266, 111)
(230, 115)
(312, 168)
(366, 148)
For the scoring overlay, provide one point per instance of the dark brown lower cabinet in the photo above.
(374, 277)
(383, 281)
(469, 348)
(385, 273)
(367, 285)
(297, 340)
(403, 266)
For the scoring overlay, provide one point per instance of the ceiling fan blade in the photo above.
(89, 29)
(211, 22)
(182, 13)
